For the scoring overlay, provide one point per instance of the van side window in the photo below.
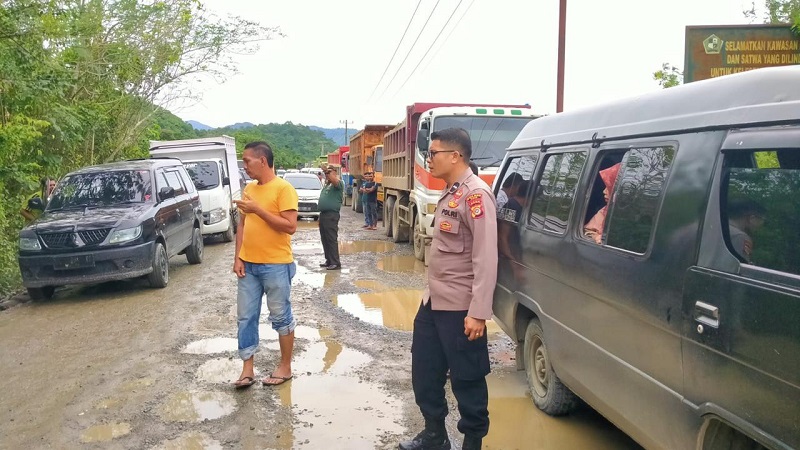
(759, 204)
(174, 181)
(187, 181)
(640, 184)
(554, 195)
(514, 188)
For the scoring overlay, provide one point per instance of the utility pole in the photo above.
(562, 37)
(346, 136)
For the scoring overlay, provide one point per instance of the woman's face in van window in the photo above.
(605, 194)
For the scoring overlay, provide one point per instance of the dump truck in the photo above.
(410, 192)
(364, 146)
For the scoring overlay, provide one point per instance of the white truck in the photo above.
(211, 162)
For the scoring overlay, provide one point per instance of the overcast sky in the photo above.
(502, 51)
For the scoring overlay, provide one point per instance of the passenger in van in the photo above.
(508, 189)
(744, 218)
(594, 227)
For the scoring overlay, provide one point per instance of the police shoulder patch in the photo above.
(476, 211)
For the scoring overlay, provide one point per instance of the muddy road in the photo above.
(120, 365)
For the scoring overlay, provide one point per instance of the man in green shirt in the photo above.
(330, 201)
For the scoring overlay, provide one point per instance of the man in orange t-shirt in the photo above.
(264, 262)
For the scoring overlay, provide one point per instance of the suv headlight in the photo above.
(216, 215)
(125, 235)
(29, 244)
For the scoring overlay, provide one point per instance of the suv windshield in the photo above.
(205, 174)
(101, 189)
(304, 182)
(490, 136)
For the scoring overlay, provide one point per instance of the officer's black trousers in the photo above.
(439, 343)
(329, 235)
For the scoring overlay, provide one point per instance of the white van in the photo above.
(211, 163)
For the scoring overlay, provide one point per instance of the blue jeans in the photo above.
(274, 280)
(371, 213)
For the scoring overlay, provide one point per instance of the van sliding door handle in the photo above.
(706, 314)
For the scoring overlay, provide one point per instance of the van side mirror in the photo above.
(36, 204)
(226, 181)
(422, 140)
(166, 192)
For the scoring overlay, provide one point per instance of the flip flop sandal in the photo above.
(283, 380)
(239, 385)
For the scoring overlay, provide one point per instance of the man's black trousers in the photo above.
(329, 234)
(439, 343)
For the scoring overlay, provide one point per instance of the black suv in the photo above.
(111, 222)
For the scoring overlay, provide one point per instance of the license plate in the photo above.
(305, 208)
(73, 262)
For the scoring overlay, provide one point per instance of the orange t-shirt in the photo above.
(261, 244)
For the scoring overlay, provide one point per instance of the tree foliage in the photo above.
(79, 81)
(669, 76)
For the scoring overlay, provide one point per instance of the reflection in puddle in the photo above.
(373, 285)
(317, 279)
(351, 247)
(105, 433)
(266, 333)
(403, 264)
(197, 406)
(307, 248)
(191, 441)
(392, 309)
(332, 405)
(518, 424)
(212, 345)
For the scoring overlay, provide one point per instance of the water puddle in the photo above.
(318, 280)
(391, 309)
(220, 371)
(211, 346)
(373, 285)
(401, 264)
(191, 441)
(307, 225)
(518, 424)
(307, 248)
(266, 333)
(330, 404)
(105, 433)
(197, 406)
(352, 247)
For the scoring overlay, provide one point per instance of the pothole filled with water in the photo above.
(197, 406)
(191, 441)
(401, 264)
(105, 432)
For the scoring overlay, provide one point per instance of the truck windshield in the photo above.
(205, 174)
(101, 189)
(491, 135)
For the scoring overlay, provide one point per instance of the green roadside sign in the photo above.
(714, 51)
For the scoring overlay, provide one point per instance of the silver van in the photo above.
(650, 261)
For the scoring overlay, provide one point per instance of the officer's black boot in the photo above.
(472, 443)
(433, 437)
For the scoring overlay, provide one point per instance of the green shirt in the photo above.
(330, 199)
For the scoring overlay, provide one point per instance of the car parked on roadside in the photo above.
(111, 222)
(308, 187)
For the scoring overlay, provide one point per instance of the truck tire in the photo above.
(194, 253)
(417, 239)
(399, 231)
(41, 293)
(388, 211)
(228, 235)
(549, 394)
(159, 277)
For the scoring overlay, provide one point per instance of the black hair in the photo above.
(474, 167)
(512, 179)
(457, 136)
(261, 148)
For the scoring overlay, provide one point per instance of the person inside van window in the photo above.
(507, 190)
(744, 218)
(594, 228)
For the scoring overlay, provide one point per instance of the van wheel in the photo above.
(194, 253)
(548, 393)
(419, 241)
(388, 210)
(159, 277)
(41, 293)
(719, 436)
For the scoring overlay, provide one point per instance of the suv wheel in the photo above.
(159, 277)
(194, 253)
(42, 293)
(548, 393)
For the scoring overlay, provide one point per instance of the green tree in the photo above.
(668, 76)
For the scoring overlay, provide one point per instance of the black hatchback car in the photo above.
(110, 222)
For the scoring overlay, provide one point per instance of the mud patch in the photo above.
(401, 264)
(191, 441)
(197, 406)
(105, 433)
(352, 247)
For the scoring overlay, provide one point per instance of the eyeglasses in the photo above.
(430, 154)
